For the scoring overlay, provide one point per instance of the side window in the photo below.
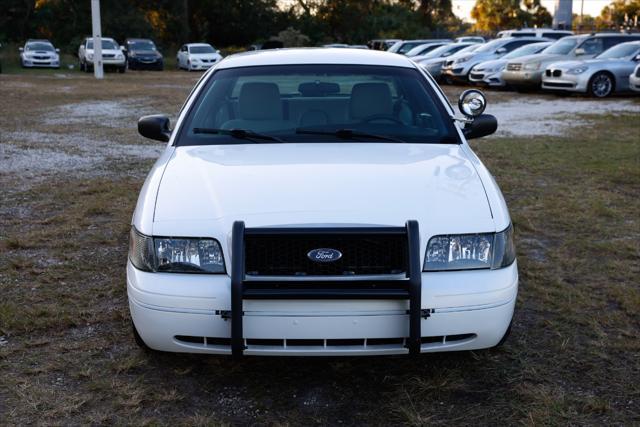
(553, 36)
(593, 46)
(612, 41)
(183, 48)
(516, 44)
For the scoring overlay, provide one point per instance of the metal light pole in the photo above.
(97, 39)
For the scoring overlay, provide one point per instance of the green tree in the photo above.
(621, 13)
(494, 15)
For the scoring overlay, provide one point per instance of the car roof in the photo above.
(198, 44)
(37, 41)
(311, 55)
(101, 38)
(136, 39)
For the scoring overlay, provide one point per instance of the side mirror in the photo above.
(483, 125)
(472, 104)
(122, 48)
(579, 51)
(217, 51)
(637, 58)
(155, 127)
(21, 49)
(501, 50)
(57, 50)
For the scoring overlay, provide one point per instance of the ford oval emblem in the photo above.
(324, 255)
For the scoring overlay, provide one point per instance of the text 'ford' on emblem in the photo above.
(324, 255)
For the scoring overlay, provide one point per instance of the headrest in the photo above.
(260, 101)
(370, 99)
(318, 88)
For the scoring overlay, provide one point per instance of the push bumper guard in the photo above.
(408, 288)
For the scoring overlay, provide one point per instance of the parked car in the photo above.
(142, 54)
(247, 238)
(423, 49)
(337, 45)
(39, 53)
(489, 73)
(197, 56)
(404, 46)
(458, 69)
(546, 33)
(599, 77)
(470, 39)
(382, 44)
(634, 79)
(526, 71)
(112, 55)
(433, 61)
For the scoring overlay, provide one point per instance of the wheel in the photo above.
(121, 70)
(81, 66)
(601, 85)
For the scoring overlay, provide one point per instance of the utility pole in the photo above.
(97, 39)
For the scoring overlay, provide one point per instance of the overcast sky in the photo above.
(462, 8)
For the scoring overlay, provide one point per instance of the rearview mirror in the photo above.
(482, 125)
(472, 103)
(155, 127)
(579, 51)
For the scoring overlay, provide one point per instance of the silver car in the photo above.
(599, 77)
(459, 68)
(433, 61)
(527, 71)
(490, 73)
(634, 79)
(404, 46)
(423, 49)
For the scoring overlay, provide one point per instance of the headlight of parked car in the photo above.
(532, 66)
(470, 251)
(463, 59)
(578, 70)
(175, 254)
(119, 56)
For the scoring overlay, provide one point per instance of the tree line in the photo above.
(240, 23)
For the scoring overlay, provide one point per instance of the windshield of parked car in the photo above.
(423, 49)
(528, 49)
(40, 46)
(142, 45)
(317, 103)
(201, 49)
(620, 51)
(106, 44)
(491, 46)
(562, 46)
(445, 50)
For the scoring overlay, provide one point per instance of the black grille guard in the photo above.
(408, 287)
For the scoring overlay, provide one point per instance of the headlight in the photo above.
(578, 70)
(532, 66)
(470, 251)
(119, 56)
(463, 59)
(175, 255)
(194, 59)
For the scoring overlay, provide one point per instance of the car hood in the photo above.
(145, 52)
(540, 57)
(314, 183)
(490, 64)
(204, 55)
(106, 51)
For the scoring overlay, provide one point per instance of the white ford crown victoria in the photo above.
(320, 202)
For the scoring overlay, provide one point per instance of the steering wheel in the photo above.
(375, 117)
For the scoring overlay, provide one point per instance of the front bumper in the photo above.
(147, 64)
(40, 63)
(522, 78)
(201, 65)
(634, 83)
(493, 79)
(566, 82)
(467, 310)
(109, 63)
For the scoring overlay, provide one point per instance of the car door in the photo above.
(590, 47)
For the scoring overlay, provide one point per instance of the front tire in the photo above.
(601, 85)
(139, 341)
(122, 70)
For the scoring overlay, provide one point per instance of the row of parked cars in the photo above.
(135, 54)
(598, 64)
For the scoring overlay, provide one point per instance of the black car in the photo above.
(142, 54)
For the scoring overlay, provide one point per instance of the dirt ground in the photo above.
(72, 163)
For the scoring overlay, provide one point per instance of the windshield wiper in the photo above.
(349, 134)
(239, 134)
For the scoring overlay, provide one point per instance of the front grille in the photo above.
(558, 84)
(108, 55)
(41, 58)
(557, 73)
(366, 253)
(477, 76)
(514, 67)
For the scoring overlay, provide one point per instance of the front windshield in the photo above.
(422, 49)
(106, 44)
(529, 49)
(201, 49)
(491, 46)
(40, 46)
(142, 45)
(620, 51)
(406, 47)
(317, 103)
(562, 46)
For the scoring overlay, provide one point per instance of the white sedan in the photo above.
(320, 202)
(197, 56)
